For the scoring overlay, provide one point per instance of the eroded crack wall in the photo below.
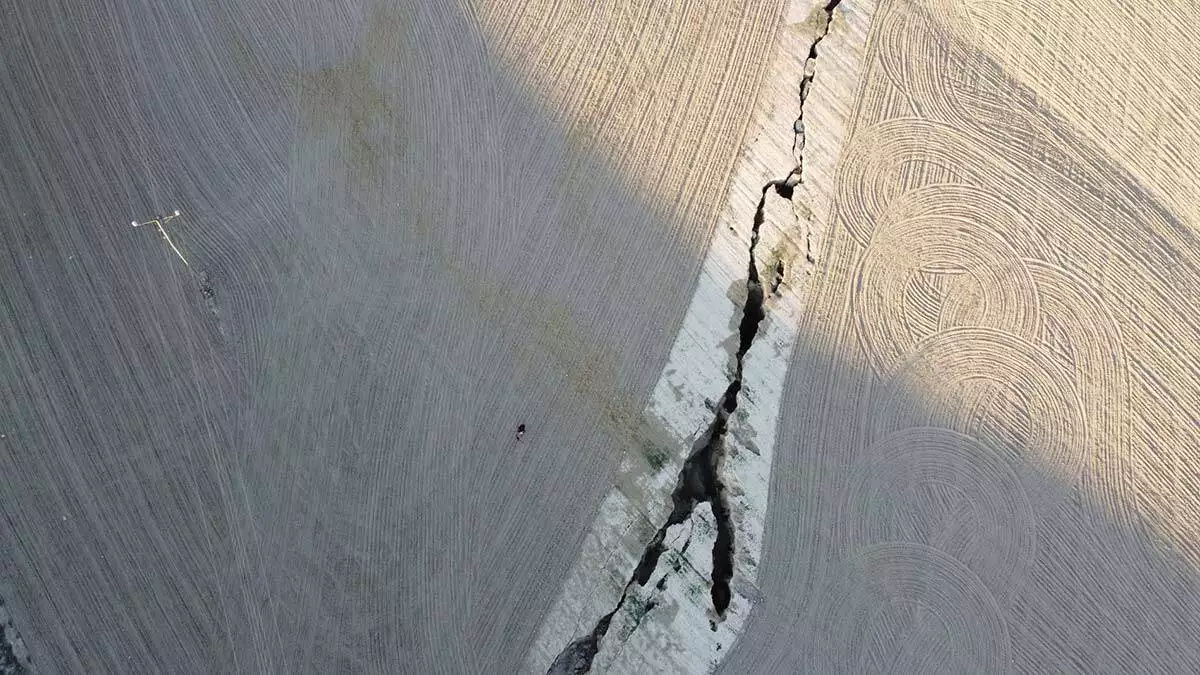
(665, 580)
(699, 480)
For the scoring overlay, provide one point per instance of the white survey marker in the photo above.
(159, 223)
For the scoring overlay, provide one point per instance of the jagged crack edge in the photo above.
(798, 142)
(699, 479)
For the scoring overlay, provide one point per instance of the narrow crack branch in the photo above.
(576, 658)
(810, 71)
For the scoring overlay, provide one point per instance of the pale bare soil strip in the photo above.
(992, 411)
(667, 617)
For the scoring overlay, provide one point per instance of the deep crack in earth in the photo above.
(699, 479)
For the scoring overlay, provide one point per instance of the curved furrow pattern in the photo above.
(937, 230)
(946, 620)
(958, 368)
(945, 490)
